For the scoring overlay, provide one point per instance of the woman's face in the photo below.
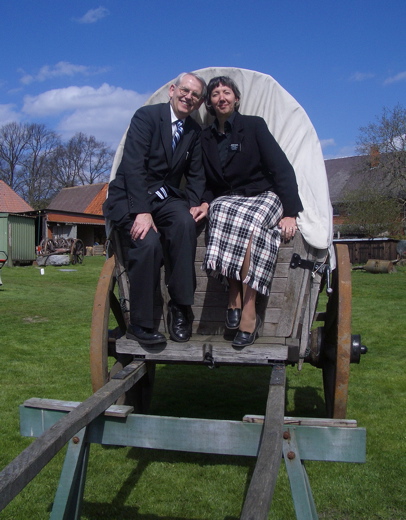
(223, 101)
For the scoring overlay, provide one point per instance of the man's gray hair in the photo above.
(199, 78)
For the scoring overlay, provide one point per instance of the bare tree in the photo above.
(13, 144)
(82, 160)
(36, 165)
(383, 143)
(383, 146)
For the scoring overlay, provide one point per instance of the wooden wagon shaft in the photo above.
(262, 485)
(30, 462)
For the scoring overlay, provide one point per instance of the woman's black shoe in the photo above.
(243, 339)
(233, 318)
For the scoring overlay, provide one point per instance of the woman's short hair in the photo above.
(226, 81)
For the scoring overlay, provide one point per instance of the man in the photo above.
(153, 214)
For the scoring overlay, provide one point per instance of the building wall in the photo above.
(17, 238)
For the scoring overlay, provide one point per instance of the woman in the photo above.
(254, 201)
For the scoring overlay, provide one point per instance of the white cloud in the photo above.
(94, 15)
(8, 114)
(395, 79)
(325, 143)
(107, 125)
(104, 112)
(361, 76)
(347, 151)
(61, 69)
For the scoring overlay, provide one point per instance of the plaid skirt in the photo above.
(233, 220)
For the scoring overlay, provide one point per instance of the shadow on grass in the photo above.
(144, 458)
(122, 512)
(222, 393)
(306, 402)
(226, 393)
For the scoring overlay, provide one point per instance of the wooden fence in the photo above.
(361, 250)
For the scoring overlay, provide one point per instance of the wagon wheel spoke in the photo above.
(47, 246)
(108, 312)
(117, 311)
(337, 338)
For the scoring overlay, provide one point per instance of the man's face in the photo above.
(186, 96)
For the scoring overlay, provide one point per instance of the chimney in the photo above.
(374, 156)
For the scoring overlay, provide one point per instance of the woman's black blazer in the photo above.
(255, 163)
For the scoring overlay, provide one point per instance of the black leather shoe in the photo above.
(179, 322)
(243, 339)
(144, 335)
(233, 318)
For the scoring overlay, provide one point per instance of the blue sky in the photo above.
(82, 65)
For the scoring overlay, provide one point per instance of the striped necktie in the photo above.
(177, 135)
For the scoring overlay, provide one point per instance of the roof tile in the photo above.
(10, 202)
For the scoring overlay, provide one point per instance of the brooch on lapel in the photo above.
(235, 147)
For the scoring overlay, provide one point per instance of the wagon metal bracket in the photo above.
(315, 267)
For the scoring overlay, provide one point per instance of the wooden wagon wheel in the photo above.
(336, 350)
(47, 246)
(61, 243)
(107, 309)
(77, 252)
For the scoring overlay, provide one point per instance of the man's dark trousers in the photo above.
(177, 237)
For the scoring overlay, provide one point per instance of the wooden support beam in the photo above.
(305, 421)
(216, 436)
(299, 482)
(29, 463)
(69, 495)
(115, 410)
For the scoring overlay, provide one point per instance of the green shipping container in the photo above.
(17, 238)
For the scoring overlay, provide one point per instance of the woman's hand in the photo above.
(288, 228)
(199, 212)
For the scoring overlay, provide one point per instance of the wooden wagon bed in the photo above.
(286, 315)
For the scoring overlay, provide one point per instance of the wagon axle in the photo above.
(319, 352)
(357, 348)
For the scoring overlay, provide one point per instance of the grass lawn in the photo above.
(45, 329)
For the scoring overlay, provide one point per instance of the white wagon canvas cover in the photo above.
(288, 122)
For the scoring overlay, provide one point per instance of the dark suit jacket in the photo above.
(255, 163)
(148, 163)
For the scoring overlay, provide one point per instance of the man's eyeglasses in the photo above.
(185, 91)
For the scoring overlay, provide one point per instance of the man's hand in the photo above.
(142, 224)
(199, 212)
(288, 228)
